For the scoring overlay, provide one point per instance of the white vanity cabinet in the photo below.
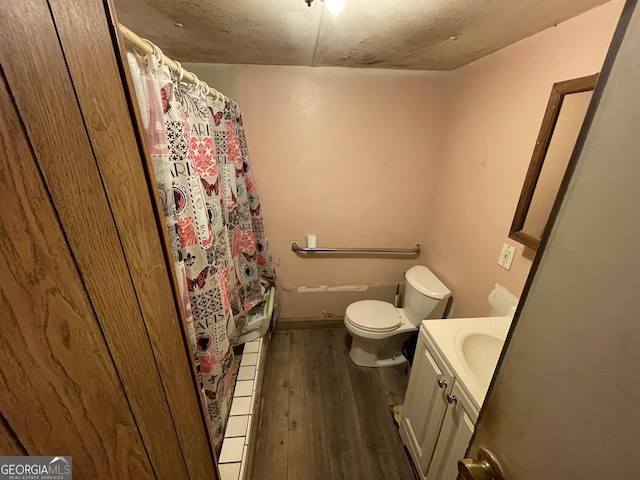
(438, 417)
(425, 403)
(454, 437)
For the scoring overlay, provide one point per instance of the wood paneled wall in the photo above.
(94, 360)
(61, 391)
(87, 40)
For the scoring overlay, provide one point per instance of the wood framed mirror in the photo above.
(561, 124)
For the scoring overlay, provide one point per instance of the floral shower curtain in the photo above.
(212, 211)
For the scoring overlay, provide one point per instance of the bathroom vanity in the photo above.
(452, 368)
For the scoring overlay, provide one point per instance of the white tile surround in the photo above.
(237, 426)
(249, 359)
(229, 470)
(247, 372)
(232, 461)
(244, 388)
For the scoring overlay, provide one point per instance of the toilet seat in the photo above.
(373, 316)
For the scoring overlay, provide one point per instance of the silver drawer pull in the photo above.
(451, 399)
(442, 383)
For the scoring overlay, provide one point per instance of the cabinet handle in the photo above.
(452, 399)
(442, 383)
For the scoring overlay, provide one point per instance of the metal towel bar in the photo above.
(400, 251)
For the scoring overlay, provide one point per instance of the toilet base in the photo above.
(377, 353)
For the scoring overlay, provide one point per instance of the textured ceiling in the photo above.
(410, 34)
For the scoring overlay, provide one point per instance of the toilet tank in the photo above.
(425, 295)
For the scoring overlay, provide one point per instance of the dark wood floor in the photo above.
(322, 417)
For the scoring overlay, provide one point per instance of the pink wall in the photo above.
(494, 110)
(347, 154)
(365, 158)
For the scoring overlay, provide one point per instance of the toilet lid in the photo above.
(373, 316)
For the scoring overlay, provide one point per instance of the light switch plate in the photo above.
(506, 256)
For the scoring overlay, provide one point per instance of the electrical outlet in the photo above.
(506, 256)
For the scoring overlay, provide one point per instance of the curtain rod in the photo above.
(145, 46)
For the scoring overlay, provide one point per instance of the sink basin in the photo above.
(480, 352)
(471, 347)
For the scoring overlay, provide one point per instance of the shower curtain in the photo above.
(212, 211)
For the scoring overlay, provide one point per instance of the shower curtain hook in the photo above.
(156, 51)
(179, 71)
(196, 80)
(160, 55)
(139, 52)
(205, 87)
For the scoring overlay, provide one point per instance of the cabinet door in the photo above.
(425, 404)
(454, 438)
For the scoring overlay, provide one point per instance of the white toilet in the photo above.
(379, 329)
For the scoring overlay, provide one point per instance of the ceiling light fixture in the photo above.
(334, 6)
